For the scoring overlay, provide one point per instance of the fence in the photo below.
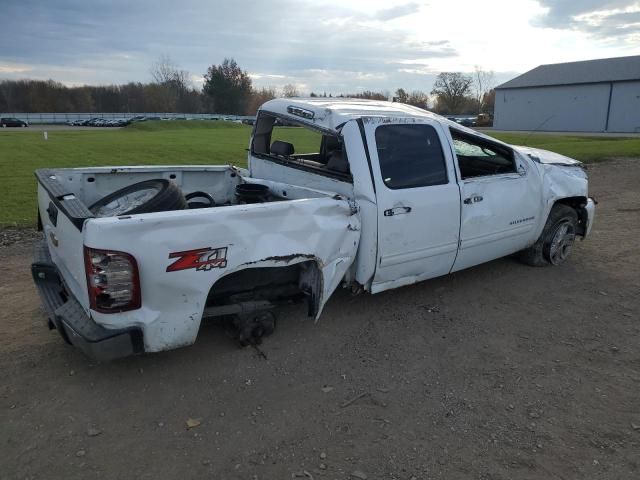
(52, 118)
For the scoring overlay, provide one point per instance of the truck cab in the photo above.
(434, 197)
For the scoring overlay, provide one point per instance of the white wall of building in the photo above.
(625, 107)
(571, 108)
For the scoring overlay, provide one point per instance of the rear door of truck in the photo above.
(418, 201)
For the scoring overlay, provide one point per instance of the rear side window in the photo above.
(410, 156)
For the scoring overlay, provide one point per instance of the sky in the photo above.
(331, 46)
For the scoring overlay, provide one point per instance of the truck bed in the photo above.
(314, 234)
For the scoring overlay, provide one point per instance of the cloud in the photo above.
(397, 11)
(603, 19)
(277, 41)
(9, 68)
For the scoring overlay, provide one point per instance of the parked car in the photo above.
(484, 120)
(98, 122)
(134, 258)
(468, 121)
(464, 121)
(12, 122)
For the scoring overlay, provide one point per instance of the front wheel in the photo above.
(556, 240)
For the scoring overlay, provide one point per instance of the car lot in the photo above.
(59, 127)
(501, 371)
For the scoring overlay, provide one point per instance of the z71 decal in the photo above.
(202, 259)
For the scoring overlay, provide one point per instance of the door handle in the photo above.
(396, 211)
(474, 199)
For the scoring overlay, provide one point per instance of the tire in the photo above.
(209, 201)
(161, 196)
(556, 240)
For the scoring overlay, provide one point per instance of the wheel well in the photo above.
(578, 204)
(259, 288)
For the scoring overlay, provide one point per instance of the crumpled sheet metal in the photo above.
(547, 157)
(258, 235)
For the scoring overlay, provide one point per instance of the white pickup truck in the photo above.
(365, 194)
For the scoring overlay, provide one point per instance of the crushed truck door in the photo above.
(418, 201)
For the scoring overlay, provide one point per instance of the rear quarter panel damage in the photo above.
(326, 230)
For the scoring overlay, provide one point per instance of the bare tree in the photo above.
(51, 96)
(452, 90)
(369, 95)
(165, 72)
(419, 99)
(258, 97)
(488, 102)
(290, 90)
(483, 83)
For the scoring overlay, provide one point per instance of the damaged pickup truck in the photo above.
(366, 195)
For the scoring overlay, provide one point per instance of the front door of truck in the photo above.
(418, 201)
(500, 199)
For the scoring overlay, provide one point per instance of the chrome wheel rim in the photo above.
(126, 202)
(561, 243)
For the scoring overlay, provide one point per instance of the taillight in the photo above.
(112, 280)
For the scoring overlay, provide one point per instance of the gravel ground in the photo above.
(502, 371)
(18, 235)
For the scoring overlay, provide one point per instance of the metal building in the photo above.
(589, 96)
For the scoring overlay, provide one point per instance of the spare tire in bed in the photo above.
(158, 195)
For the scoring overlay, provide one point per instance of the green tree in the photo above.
(452, 90)
(401, 96)
(228, 87)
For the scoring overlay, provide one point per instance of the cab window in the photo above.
(410, 156)
(299, 146)
(478, 157)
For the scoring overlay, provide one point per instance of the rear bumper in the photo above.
(70, 319)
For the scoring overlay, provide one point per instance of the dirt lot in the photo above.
(502, 371)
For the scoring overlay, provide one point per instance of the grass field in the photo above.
(586, 149)
(194, 143)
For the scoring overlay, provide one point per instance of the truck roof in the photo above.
(330, 113)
